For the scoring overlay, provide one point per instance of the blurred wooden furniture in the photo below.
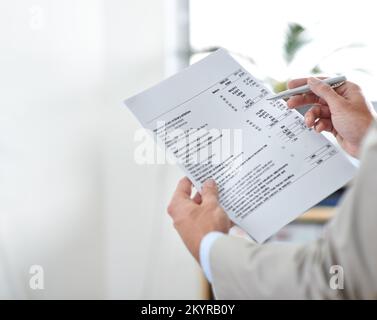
(317, 215)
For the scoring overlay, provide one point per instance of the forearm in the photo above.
(243, 270)
(271, 271)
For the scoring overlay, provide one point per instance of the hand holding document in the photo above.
(215, 120)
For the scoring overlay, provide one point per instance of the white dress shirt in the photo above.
(204, 251)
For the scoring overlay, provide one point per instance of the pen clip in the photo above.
(337, 85)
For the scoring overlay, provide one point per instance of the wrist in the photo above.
(196, 244)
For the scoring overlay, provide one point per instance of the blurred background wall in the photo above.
(73, 200)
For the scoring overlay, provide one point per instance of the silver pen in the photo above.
(333, 82)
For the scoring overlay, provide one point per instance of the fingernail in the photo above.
(307, 120)
(210, 183)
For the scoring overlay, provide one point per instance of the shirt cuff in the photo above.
(204, 251)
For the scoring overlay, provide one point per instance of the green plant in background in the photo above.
(296, 39)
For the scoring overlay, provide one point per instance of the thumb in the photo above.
(209, 191)
(324, 91)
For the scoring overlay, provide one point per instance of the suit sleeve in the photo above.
(244, 270)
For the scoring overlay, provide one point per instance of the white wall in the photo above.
(72, 198)
(145, 257)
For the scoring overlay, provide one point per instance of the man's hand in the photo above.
(195, 217)
(343, 111)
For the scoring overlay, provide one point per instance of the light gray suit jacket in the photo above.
(245, 270)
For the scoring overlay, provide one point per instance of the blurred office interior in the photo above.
(73, 200)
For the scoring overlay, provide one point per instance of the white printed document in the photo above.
(214, 119)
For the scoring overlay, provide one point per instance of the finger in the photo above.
(324, 125)
(315, 112)
(183, 190)
(312, 115)
(209, 191)
(320, 111)
(197, 198)
(324, 111)
(348, 89)
(302, 100)
(299, 82)
(324, 91)
(180, 197)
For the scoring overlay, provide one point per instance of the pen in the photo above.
(333, 82)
